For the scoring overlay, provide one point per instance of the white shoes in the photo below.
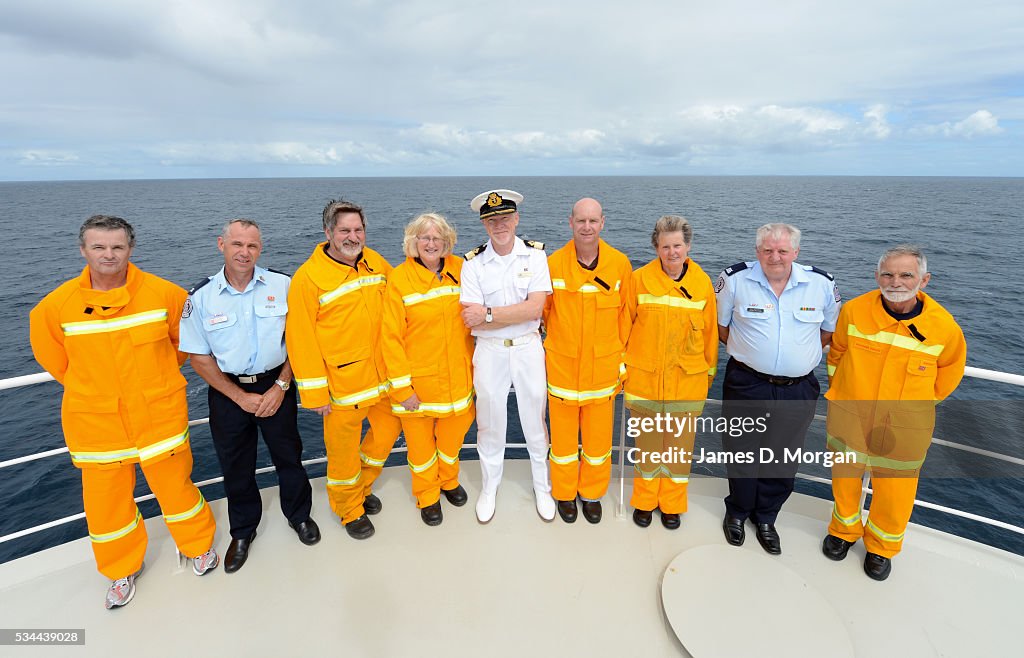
(545, 505)
(485, 507)
(122, 590)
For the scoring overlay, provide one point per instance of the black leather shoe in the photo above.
(238, 553)
(308, 531)
(734, 532)
(567, 510)
(769, 538)
(456, 496)
(372, 504)
(877, 567)
(670, 521)
(361, 528)
(835, 548)
(592, 510)
(431, 514)
(642, 517)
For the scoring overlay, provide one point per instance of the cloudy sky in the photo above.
(111, 89)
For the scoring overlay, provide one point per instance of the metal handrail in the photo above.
(969, 371)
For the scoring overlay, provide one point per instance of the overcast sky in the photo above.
(94, 89)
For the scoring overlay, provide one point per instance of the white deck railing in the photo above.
(976, 373)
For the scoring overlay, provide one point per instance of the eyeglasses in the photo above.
(429, 239)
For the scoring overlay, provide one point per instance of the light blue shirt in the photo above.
(243, 330)
(776, 335)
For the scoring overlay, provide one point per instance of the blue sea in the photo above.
(970, 227)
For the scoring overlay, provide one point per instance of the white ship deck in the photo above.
(519, 586)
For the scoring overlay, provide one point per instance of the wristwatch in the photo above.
(489, 317)
(284, 385)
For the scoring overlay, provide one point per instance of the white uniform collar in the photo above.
(797, 275)
(519, 248)
(259, 275)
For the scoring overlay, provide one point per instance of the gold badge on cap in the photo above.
(494, 199)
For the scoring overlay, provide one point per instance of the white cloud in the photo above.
(48, 158)
(980, 124)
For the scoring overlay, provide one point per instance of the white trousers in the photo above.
(495, 369)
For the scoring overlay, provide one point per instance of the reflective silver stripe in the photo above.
(436, 407)
(103, 457)
(896, 340)
(114, 324)
(559, 284)
(845, 520)
(419, 468)
(446, 459)
(344, 483)
(185, 516)
(669, 300)
(831, 369)
(695, 406)
(351, 286)
(105, 537)
(569, 394)
(401, 382)
(882, 534)
(647, 476)
(370, 460)
(873, 460)
(311, 383)
(160, 447)
(361, 396)
(597, 461)
(435, 293)
(568, 459)
(712, 371)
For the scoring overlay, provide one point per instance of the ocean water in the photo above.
(970, 227)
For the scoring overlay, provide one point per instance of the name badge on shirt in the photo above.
(217, 319)
(754, 309)
(525, 274)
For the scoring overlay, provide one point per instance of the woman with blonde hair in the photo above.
(428, 351)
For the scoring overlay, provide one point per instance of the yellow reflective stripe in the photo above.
(361, 396)
(103, 457)
(896, 340)
(695, 406)
(351, 286)
(618, 284)
(370, 460)
(882, 534)
(160, 447)
(569, 459)
(442, 291)
(311, 383)
(559, 284)
(437, 407)
(670, 300)
(677, 480)
(401, 382)
(831, 369)
(647, 476)
(344, 483)
(845, 520)
(873, 460)
(446, 459)
(105, 537)
(596, 461)
(712, 371)
(569, 394)
(114, 324)
(185, 516)
(419, 468)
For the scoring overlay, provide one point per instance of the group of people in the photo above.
(429, 346)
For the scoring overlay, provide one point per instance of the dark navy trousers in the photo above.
(234, 437)
(758, 490)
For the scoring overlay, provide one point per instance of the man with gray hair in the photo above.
(895, 353)
(774, 316)
(233, 328)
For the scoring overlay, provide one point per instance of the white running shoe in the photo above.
(545, 505)
(485, 507)
(205, 562)
(122, 590)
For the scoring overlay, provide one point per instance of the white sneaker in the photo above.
(485, 507)
(122, 590)
(205, 562)
(545, 505)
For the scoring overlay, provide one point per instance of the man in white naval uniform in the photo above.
(505, 283)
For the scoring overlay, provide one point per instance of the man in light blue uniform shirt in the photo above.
(774, 316)
(233, 327)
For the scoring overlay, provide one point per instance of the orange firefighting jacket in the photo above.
(425, 344)
(115, 352)
(672, 353)
(333, 330)
(587, 323)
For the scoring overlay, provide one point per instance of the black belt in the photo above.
(771, 379)
(252, 379)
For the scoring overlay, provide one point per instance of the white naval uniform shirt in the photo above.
(494, 281)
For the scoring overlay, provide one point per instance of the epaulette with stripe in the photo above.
(534, 244)
(199, 285)
(818, 270)
(271, 269)
(470, 255)
(733, 269)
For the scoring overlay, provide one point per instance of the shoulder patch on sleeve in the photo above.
(818, 270)
(199, 285)
(835, 293)
(186, 310)
(470, 255)
(720, 283)
(534, 244)
(733, 269)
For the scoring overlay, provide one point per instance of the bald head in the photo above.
(586, 222)
(587, 207)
